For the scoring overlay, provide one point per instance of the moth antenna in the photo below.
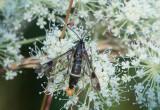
(91, 28)
(69, 27)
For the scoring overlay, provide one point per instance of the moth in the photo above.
(73, 60)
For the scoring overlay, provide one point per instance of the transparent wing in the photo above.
(55, 65)
(91, 72)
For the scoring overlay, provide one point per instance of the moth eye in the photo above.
(93, 75)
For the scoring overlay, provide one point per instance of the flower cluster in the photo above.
(145, 58)
(9, 52)
(47, 11)
(12, 12)
(9, 48)
(133, 17)
(105, 71)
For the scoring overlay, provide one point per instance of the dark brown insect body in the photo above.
(76, 69)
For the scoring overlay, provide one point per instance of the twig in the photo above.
(66, 20)
(75, 12)
(43, 102)
(48, 102)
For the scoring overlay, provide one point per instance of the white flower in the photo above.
(139, 87)
(116, 31)
(43, 11)
(10, 75)
(140, 73)
(125, 65)
(17, 25)
(35, 9)
(41, 23)
(28, 16)
(130, 29)
(132, 13)
(8, 62)
(51, 17)
(135, 62)
(130, 53)
(83, 13)
(98, 14)
(126, 78)
(92, 96)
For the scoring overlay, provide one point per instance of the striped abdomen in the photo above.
(76, 69)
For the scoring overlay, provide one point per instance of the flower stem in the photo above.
(27, 41)
(43, 102)
(31, 40)
(66, 20)
(48, 102)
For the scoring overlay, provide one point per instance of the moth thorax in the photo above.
(69, 91)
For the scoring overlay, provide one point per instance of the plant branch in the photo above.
(43, 102)
(27, 41)
(31, 40)
(66, 20)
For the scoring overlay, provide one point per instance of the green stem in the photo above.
(28, 41)
(97, 6)
(85, 101)
(47, 3)
(1, 58)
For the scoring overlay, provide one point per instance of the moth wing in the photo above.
(92, 75)
(55, 65)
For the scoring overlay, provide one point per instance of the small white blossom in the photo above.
(126, 78)
(116, 31)
(35, 9)
(125, 65)
(17, 25)
(41, 23)
(83, 13)
(8, 62)
(28, 16)
(51, 17)
(43, 11)
(130, 29)
(10, 75)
